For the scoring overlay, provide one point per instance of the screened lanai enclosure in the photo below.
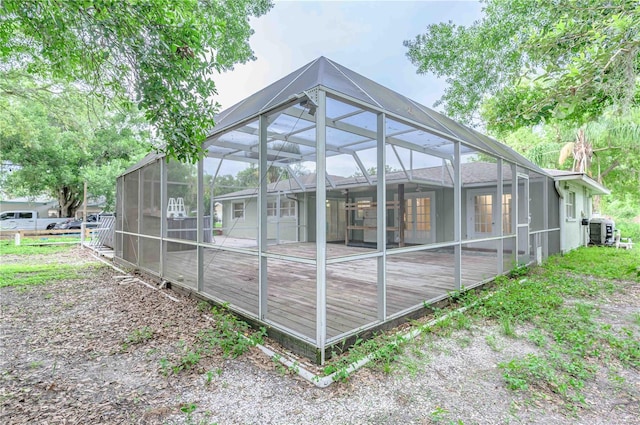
(329, 206)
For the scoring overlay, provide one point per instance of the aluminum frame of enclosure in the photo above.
(386, 136)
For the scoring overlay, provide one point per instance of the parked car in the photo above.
(96, 217)
(26, 220)
(74, 224)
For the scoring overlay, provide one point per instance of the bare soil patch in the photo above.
(92, 351)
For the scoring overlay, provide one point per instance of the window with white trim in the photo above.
(506, 213)
(570, 204)
(483, 213)
(272, 209)
(238, 210)
(288, 208)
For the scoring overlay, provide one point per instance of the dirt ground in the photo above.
(69, 355)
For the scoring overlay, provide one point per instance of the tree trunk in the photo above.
(69, 201)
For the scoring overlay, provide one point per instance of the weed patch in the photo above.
(229, 336)
(138, 336)
(384, 351)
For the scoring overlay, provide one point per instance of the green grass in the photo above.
(560, 300)
(8, 247)
(21, 275)
(628, 229)
(554, 307)
(599, 262)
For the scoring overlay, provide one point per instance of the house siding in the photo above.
(574, 233)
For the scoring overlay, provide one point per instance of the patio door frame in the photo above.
(413, 237)
(523, 218)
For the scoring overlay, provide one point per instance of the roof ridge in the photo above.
(308, 66)
(354, 83)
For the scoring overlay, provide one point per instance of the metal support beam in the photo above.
(140, 210)
(262, 218)
(362, 168)
(255, 148)
(321, 220)
(514, 210)
(295, 177)
(401, 208)
(498, 219)
(367, 135)
(163, 215)
(212, 199)
(457, 216)
(381, 218)
(545, 218)
(404, 170)
(200, 226)
(331, 183)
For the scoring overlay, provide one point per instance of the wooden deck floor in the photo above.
(412, 278)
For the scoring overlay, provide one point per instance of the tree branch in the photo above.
(607, 170)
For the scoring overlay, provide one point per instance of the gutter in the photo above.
(562, 212)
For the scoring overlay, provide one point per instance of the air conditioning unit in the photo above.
(601, 231)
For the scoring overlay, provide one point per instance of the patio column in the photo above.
(498, 220)
(321, 220)
(163, 215)
(140, 209)
(199, 225)
(263, 124)
(381, 224)
(545, 218)
(514, 209)
(457, 215)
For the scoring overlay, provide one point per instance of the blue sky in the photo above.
(365, 36)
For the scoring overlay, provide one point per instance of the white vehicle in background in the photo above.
(26, 220)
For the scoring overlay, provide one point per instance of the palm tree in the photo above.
(613, 142)
(582, 152)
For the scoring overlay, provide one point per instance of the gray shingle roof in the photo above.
(472, 173)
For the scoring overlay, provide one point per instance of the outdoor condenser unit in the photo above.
(601, 231)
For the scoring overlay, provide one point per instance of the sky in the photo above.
(364, 36)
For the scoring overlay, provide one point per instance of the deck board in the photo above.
(412, 278)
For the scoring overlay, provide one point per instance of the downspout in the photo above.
(556, 183)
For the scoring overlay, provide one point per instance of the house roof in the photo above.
(581, 178)
(472, 173)
(40, 199)
(353, 100)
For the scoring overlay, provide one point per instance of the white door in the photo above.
(336, 220)
(419, 218)
(483, 219)
(523, 220)
(480, 213)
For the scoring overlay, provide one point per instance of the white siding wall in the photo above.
(248, 226)
(574, 234)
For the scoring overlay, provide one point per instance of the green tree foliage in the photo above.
(527, 61)
(249, 178)
(158, 54)
(56, 153)
(615, 142)
(541, 75)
